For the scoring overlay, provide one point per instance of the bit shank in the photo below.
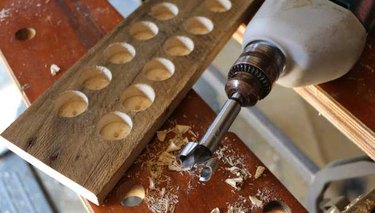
(221, 124)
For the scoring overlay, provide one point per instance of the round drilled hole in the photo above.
(96, 77)
(25, 34)
(115, 126)
(276, 207)
(71, 104)
(144, 30)
(119, 53)
(218, 6)
(199, 25)
(158, 69)
(164, 11)
(138, 97)
(134, 196)
(178, 46)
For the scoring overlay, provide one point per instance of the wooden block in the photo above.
(88, 128)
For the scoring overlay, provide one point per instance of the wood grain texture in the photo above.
(71, 150)
(194, 196)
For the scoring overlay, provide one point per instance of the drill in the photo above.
(293, 43)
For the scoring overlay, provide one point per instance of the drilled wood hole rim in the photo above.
(115, 126)
(218, 6)
(71, 103)
(158, 69)
(96, 77)
(119, 53)
(164, 11)
(199, 25)
(138, 97)
(144, 30)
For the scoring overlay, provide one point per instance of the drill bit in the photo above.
(200, 153)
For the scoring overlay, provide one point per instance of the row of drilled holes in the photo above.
(138, 97)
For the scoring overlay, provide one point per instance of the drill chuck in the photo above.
(254, 72)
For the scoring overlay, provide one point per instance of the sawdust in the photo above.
(235, 165)
(162, 194)
(239, 206)
(162, 200)
(4, 13)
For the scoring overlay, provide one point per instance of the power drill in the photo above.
(293, 43)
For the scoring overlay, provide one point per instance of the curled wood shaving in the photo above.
(255, 201)
(173, 147)
(181, 129)
(234, 182)
(161, 135)
(259, 172)
(54, 69)
(166, 159)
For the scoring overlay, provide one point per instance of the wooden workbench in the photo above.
(66, 29)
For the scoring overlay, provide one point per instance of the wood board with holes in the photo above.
(88, 128)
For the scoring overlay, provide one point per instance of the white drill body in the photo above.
(320, 40)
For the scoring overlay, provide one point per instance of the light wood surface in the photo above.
(54, 136)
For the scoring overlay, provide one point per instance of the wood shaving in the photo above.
(259, 171)
(215, 210)
(54, 69)
(234, 182)
(166, 159)
(4, 13)
(255, 201)
(173, 147)
(182, 129)
(161, 135)
(151, 183)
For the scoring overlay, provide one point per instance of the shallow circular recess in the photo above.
(178, 46)
(71, 104)
(134, 196)
(115, 126)
(96, 77)
(138, 97)
(199, 25)
(164, 11)
(219, 6)
(276, 207)
(25, 34)
(144, 30)
(158, 69)
(119, 53)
